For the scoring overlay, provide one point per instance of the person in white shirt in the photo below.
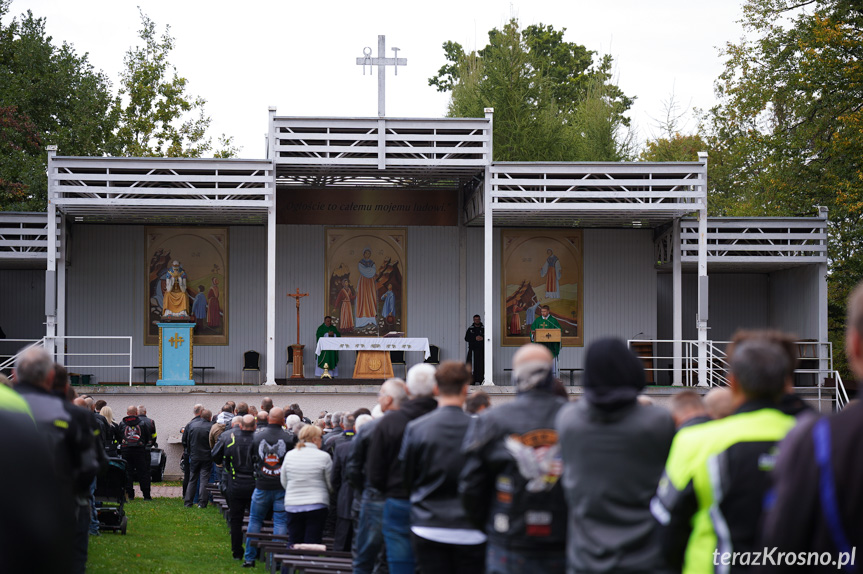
(305, 475)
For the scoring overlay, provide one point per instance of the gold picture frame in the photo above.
(532, 262)
(366, 280)
(203, 256)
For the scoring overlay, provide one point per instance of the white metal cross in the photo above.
(381, 62)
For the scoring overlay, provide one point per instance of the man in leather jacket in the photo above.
(510, 483)
(237, 459)
(475, 339)
(443, 540)
(385, 470)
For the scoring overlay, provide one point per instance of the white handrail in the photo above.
(61, 354)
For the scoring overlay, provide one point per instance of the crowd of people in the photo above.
(437, 479)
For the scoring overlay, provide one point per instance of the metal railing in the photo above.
(815, 361)
(73, 358)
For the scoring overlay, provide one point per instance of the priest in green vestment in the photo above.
(546, 321)
(330, 358)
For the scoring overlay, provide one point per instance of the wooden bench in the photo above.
(202, 369)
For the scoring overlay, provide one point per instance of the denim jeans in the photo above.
(262, 501)
(94, 514)
(500, 560)
(369, 535)
(397, 535)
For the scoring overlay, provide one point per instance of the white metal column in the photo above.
(51, 267)
(823, 332)
(61, 293)
(271, 259)
(677, 306)
(703, 306)
(488, 262)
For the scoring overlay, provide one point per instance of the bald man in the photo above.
(269, 448)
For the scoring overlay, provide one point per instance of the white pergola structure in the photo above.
(406, 153)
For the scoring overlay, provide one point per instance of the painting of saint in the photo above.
(365, 270)
(175, 301)
(344, 311)
(367, 300)
(188, 278)
(551, 271)
(214, 309)
(388, 312)
(542, 267)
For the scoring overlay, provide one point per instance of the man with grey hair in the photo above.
(142, 414)
(385, 471)
(239, 475)
(369, 534)
(710, 497)
(510, 483)
(338, 429)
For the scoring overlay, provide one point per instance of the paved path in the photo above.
(159, 491)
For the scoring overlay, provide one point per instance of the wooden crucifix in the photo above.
(297, 348)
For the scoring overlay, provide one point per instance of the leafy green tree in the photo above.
(788, 131)
(48, 94)
(552, 100)
(157, 117)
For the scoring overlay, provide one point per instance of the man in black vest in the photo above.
(134, 438)
(237, 459)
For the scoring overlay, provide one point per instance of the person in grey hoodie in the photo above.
(614, 451)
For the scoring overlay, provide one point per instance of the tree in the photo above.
(157, 117)
(48, 95)
(788, 132)
(671, 144)
(551, 100)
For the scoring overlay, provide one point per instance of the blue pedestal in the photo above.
(175, 354)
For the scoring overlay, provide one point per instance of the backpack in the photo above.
(132, 435)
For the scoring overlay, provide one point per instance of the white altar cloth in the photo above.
(373, 344)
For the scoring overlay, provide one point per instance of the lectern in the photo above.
(175, 354)
(547, 336)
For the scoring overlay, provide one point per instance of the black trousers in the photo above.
(137, 467)
(239, 501)
(344, 534)
(433, 557)
(476, 358)
(307, 527)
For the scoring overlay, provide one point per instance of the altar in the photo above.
(373, 354)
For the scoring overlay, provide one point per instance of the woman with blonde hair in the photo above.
(112, 440)
(306, 478)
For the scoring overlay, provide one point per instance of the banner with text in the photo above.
(367, 207)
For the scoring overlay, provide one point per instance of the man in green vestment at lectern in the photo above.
(546, 321)
(330, 358)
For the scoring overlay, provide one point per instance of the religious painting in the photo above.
(542, 267)
(365, 279)
(187, 278)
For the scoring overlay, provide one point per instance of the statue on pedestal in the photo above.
(175, 303)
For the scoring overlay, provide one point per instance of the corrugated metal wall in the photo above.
(22, 312)
(794, 301)
(107, 278)
(737, 301)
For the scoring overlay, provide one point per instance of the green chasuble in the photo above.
(331, 358)
(546, 323)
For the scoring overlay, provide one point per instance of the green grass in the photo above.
(163, 537)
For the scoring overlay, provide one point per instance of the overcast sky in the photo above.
(300, 56)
